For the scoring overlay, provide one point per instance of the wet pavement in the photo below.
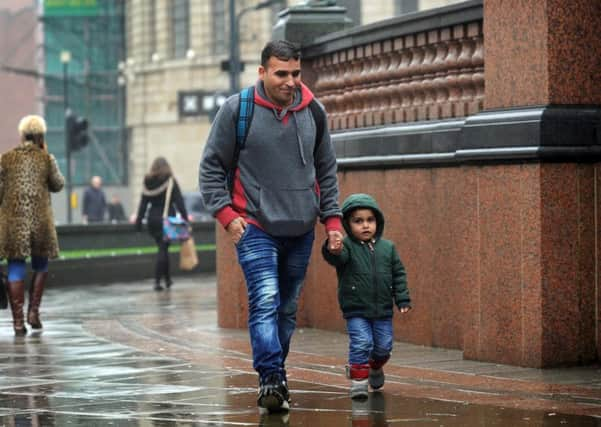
(123, 355)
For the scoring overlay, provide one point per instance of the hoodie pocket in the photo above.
(288, 212)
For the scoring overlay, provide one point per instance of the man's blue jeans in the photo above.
(369, 339)
(274, 268)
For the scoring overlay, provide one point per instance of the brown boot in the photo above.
(36, 291)
(16, 296)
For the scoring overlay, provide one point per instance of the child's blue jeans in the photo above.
(274, 268)
(369, 339)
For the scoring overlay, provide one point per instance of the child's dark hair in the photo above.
(281, 49)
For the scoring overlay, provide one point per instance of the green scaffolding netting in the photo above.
(93, 33)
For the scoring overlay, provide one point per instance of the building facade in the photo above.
(18, 56)
(175, 54)
(174, 75)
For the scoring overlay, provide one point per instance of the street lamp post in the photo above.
(234, 68)
(65, 59)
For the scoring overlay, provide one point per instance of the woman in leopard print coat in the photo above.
(28, 173)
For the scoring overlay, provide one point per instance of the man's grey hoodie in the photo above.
(279, 186)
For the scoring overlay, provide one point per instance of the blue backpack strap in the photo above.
(246, 107)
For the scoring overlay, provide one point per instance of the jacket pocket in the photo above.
(288, 212)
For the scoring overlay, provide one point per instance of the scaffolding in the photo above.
(93, 32)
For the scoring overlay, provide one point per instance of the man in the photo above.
(284, 179)
(94, 202)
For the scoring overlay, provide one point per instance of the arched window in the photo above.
(180, 28)
(219, 30)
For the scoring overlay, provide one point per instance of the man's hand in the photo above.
(335, 242)
(235, 229)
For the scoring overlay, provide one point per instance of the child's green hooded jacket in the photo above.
(369, 281)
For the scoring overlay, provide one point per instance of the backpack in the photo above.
(246, 108)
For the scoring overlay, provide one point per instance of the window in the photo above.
(406, 6)
(180, 28)
(219, 43)
(152, 27)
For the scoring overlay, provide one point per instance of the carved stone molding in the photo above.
(428, 75)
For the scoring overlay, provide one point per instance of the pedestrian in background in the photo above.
(116, 211)
(154, 194)
(94, 202)
(371, 278)
(28, 173)
(283, 181)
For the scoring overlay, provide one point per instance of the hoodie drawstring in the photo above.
(280, 116)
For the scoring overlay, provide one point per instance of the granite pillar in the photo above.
(542, 52)
(533, 305)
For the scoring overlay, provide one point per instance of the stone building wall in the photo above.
(18, 35)
(152, 85)
(154, 79)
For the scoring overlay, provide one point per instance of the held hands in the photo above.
(335, 242)
(235, 229)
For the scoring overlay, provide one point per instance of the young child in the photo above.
(371, 277)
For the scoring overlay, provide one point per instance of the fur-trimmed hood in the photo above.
(155, 185)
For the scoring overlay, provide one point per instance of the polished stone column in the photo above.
(533, 300)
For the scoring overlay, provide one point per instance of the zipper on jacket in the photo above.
(372, 256)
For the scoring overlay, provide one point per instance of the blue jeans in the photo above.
(369, 339)
(274, 268)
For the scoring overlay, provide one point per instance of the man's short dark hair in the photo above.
(282, 50)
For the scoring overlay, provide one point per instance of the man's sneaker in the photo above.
(273, 393)
(376, 378)
(359, 389)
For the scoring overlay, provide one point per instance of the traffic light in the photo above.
(77, 132)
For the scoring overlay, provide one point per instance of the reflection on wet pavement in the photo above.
(122, 355)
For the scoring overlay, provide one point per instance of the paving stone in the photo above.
(123, 355)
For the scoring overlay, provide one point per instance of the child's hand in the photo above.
(404, 309)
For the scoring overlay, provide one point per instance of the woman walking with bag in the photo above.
(161, 192)
(27, 176)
